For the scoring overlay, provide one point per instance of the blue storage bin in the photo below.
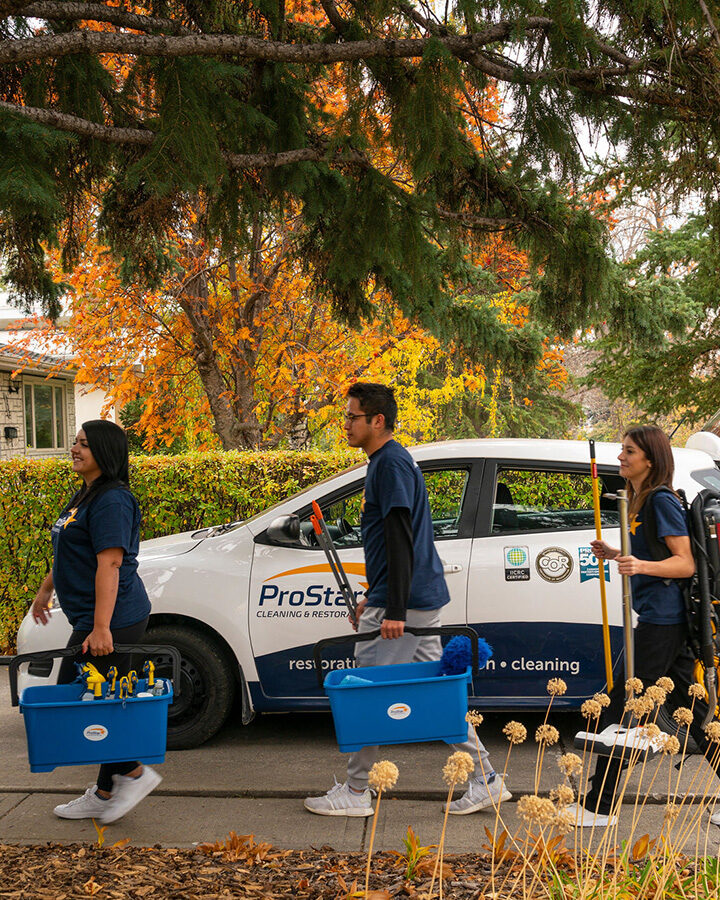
(405, 704)
(63, 730)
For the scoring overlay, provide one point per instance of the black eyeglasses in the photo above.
(350, 417)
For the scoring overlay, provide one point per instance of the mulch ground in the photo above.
(238, 867)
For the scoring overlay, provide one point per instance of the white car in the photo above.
(513, 522)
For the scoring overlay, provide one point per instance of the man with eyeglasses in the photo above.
(406, 585)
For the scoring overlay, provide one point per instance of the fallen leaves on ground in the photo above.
(237, 867)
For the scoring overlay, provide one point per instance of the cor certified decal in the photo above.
(590, 565)
(554, 564)
(517, 563)
(399, 711)
(95, 732)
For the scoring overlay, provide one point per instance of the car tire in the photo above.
(207, 685)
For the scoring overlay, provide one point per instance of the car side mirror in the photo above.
(285, 530)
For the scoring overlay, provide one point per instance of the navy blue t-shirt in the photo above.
(395, 481)
(111, 520)
(656, 600)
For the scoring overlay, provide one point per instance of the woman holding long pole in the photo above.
(660, 636)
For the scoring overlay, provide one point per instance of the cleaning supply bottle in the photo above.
(112, 674)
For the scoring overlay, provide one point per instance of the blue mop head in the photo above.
(457, 655)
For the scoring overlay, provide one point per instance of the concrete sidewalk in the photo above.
(253, 779)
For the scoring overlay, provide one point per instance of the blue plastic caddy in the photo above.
(404, 704)
(64, 730)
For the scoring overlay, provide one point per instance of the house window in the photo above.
(45, 415)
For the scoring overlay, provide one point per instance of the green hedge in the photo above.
(176, 493)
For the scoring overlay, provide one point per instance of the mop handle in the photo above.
(601, 568)
(623, 502)
(326, 542)
(442, 630)
(64, 652)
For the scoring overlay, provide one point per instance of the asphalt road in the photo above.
(252, 780)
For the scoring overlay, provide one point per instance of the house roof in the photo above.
(32, 361)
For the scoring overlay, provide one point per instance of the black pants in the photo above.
(129, 635)
(659, 650)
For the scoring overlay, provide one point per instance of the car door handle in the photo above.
(448, 568)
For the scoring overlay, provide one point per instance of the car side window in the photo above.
(537, 500)
(446, 492)
(342, 518)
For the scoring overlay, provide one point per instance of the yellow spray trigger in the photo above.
(112, 676)
(94, 680)
(89, 669)
(132, 680)
(149, 672)
(123, 688)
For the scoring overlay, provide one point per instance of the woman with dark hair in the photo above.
(94, 575)
(660, 637)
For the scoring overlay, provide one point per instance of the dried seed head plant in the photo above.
(683, 716)
(666, 683)
(669, 744)
(564, 821)
(712, 730)
(458, 767)
(602, 699)
(672, 811)
(651, 731)
(634, 685)
(556, 687)
(474, 718)
(539, 810)
(591, 709)
(382, 776)
(638, 706)
(515, 732)
(696, 691)
(456, 770)
(547, 735)
(563, 795)
(570, 764)
(656, 695)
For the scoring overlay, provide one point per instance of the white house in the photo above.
(41, 406)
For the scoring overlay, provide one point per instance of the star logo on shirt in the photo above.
(71, 517)
(634, 525)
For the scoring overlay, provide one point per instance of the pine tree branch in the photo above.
(82, 127)
(243, 46)
(711, 22)
(11, 8)
(98, 12)
(596, 79)
(334, 17)
(468, 220)
(140, 137)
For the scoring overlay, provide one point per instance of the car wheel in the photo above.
(207, 684)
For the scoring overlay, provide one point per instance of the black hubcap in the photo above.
(193, 694)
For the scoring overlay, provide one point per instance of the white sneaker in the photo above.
(715, 817)
(341, 801)
(478, 796)
(128, 792)
(89, 806)
(584, 818)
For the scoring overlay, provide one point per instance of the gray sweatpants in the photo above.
(406, 649)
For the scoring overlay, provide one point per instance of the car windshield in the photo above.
(310, 492)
